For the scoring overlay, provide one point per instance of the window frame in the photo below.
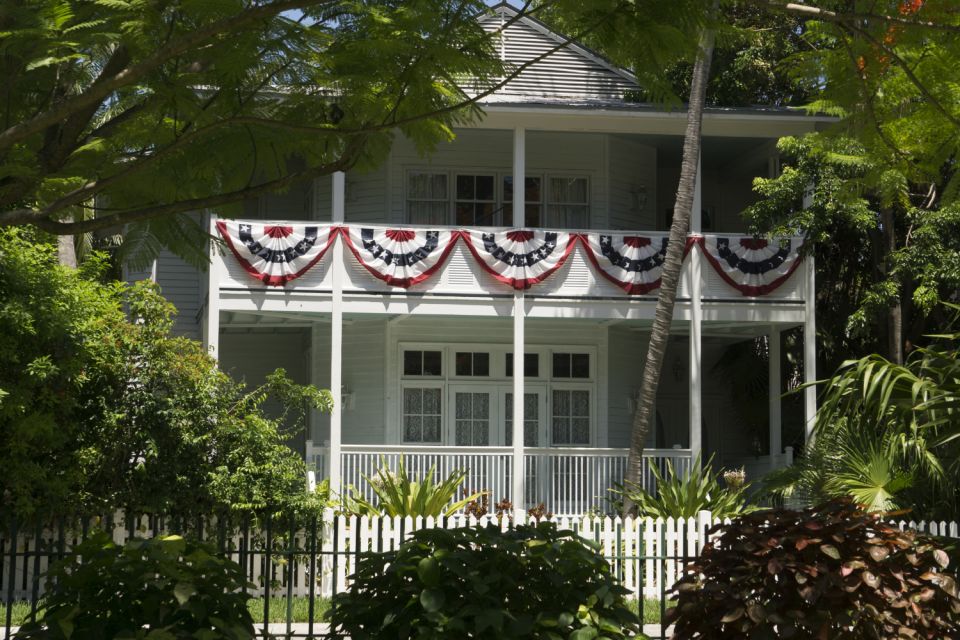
(407, 199)
(422, 384)
(591, 389)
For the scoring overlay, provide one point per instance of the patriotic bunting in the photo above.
(754, 266)
(274, 253)
(633, 263)
(400, 257)
(519, 257)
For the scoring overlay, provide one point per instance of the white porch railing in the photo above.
(570, 481)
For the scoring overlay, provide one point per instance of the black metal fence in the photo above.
(297, 564)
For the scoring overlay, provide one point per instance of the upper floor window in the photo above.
(532, 198)
(428, 198)
(486, 200)
(476, 201)
(568, 203)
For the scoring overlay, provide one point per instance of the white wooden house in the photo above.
(424, 357)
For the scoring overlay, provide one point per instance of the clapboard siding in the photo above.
(567, 72)
(632, 167)
(180, 284)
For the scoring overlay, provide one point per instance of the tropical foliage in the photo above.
(684, 495)
(103, 408)
(171, 589)
(399, 495)
(526, 582)
(888, 435)
(833, 571)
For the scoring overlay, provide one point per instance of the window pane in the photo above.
(580, 403)
(561, 431)
(464, 213)
(412, 429)
(533, 216)
(561, 365)
(561, 403)
(463, 403)
(420, 212)
(463, 434)
(432, 363)
(481, 406)
(531, 365)
(581, 431)
(481, 364)
(427, 186)
(431, 429)
(412, 401)
(412, 363)
(465, 190)
(431, 402)
(464, 363)
(483, 214)
(481, 433)
(568, 190)
(484, 188)
(581, 365)
(532, 192)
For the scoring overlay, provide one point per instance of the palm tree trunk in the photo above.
(670, 278)
(895, 312)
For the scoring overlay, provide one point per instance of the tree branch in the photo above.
(41, 221)
(846, 18)
(104, 86)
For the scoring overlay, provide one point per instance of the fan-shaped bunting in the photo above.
(519, 257)
(754, 266)
(276, 253)
(400, 257)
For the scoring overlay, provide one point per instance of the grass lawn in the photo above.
(300, 611)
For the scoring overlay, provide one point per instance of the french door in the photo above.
(482, 415)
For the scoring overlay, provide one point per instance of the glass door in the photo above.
(534, 435)
(474, 416)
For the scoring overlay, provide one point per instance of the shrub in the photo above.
(527, 582)
(684, 496)
(162, 589)
(399, 495)
(833, 571)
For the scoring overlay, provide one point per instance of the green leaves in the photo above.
(528, 582)
(171, 588)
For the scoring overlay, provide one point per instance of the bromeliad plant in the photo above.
(833, 571)
(398, 495)
(684, 496)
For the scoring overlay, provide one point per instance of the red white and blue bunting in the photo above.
(520, 257)
(276, 253)
(631, 262)
(754, 266)
(400, 257)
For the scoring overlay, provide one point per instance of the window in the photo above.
(421, 414)
(428, 200)
(476, 201)
(532, 197)
(531, 365)
(570, 422)
(472, 418)
(422, 363)
(472, 363)
(568, 204)
(571, 365)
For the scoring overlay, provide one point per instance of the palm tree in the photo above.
(670, 277)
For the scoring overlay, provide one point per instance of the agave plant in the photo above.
(398, 495)
(684, 496)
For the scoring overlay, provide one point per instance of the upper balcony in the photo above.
(409, 269)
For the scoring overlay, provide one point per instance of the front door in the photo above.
(534, 411)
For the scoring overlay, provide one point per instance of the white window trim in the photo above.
(496, 380)
(499, 201)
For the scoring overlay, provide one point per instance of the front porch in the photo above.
(566, 480)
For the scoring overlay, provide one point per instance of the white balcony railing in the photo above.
(462, 275)
(569, 481)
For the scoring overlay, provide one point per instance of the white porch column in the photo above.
(774, 381)
(519, 210)
(211, 316)
(809, 347)
(696, 326)
(336, 336)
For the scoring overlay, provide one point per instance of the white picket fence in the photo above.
(646, 555)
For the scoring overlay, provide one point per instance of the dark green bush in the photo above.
(529, 582)
(833, 571)
(160, 589)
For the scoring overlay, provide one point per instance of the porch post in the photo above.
(211, 316)
(336, 336)
(774, 381)
(809, 347)
(696, 327)
(519, 221)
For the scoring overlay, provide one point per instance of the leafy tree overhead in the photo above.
(101, 412)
